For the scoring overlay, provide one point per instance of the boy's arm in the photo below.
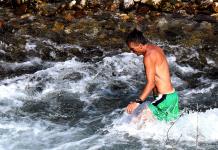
(150, 76)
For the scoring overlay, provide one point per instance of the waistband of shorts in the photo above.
(172, 92)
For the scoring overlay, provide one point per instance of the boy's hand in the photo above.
(131, 107)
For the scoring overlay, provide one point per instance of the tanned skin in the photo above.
(156, 69)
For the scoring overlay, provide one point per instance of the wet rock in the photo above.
(209, 49)
(21, 1)
(83, 2)
(59, 107)
(72, 4)
(58, 26)
(11, 70)
(192, 9)
(215, 7)
(206, 26)
(69, 16)
(75, 76)
(202, 17)
(36, 108)
(142, 9)
(64, 106)
(102, 16)
(68, 29)
(180, 13)
(48, 50)
(204, 4)
(114, 6)
(215, 15)
(212, 73)
(155, 3)
(106, 29)
(162, 24)
(194, 39)
(154, 15)
(80, 14)
(167, 7)
(27, 16)
(22, 9)
(124, 17)
(95, 3)
(128, 3)
(45, 9)
(189, 28)
(90, 52)
(2, 24)
(179, 5)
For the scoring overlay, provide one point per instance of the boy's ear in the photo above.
(140, 45)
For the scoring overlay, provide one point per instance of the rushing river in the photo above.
(77, 105)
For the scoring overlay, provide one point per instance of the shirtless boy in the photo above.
(165, 104)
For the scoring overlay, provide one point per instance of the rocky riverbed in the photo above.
(102, 26)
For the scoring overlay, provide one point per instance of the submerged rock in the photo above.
(215, 7)
(69, 16)
(142, 9)
(203, 4)
(215, 15)
(167, 7)
(58, 26)
(115, 6)
(1, 24)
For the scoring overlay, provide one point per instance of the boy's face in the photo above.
(135, 48)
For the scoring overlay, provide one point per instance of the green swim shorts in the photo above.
(165, 107)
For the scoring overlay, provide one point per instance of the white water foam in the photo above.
(202, 90)
(58, 46)
(189, 127)
(182, 69)
(16, 89)
(15, 65)
(35, 134)
(125, 67)
(210, 61)
(30, 46)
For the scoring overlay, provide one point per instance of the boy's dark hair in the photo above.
(137, 37)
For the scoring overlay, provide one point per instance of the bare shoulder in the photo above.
(151, 54)
(155, 48)
(149, 58)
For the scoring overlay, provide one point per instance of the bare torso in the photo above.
(162, 73)
(156, 70)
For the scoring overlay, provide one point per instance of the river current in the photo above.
(77, 105)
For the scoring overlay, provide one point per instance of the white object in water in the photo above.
(128, 3)
(83, 2)
(72, 3)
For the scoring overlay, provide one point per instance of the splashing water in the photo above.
(80, 105)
